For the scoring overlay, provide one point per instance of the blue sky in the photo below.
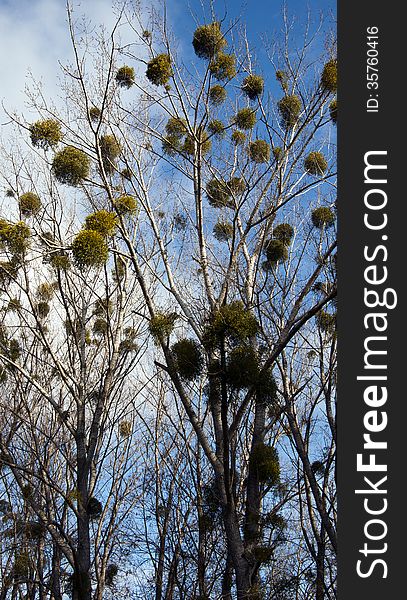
(260, 15)
(34, 34)
(34, 38)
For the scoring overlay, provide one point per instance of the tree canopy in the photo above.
(168, 340)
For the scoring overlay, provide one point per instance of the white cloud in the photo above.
(35, 37)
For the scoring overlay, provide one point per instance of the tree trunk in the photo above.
(227, 580)
(82, 589)
(172, 575)
(235, 546)
(320, 582)
(160, 566)
(253, 502)
(82, 584)
(56, 574)
(81, 578)
(201, 550)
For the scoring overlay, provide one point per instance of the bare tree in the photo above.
(69, 348)
(220, 197)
